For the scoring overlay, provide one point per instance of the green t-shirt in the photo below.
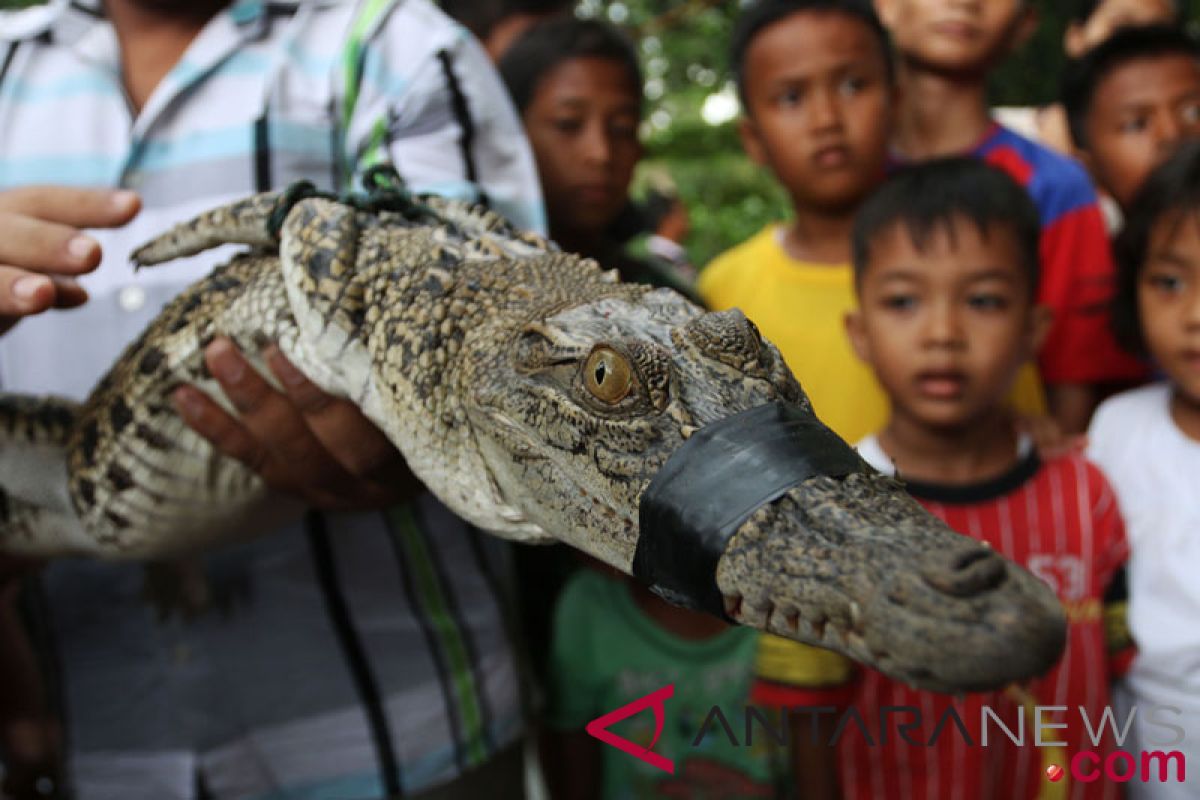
(607, 653)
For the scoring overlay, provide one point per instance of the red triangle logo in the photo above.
(656, 700)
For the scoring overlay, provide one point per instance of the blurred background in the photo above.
(691, 107)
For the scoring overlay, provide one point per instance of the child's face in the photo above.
(1169, 301)
(946, 327)
(1111, 15)
(819, 107)
(957, 36)
(583, 125)
(1140, 111)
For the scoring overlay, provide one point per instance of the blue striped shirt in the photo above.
(360, 653)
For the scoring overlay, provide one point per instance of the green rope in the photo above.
(382, 190)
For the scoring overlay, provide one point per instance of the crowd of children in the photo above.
(942, 286)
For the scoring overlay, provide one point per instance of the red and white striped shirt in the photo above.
(1059, 519)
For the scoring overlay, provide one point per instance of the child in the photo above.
(1148, 441)
(946, 51)
(615, 642)
(1130, 102)
(578, 87)
(1091, 22)
(946, 268)
(815, 82)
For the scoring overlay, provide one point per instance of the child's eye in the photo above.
(789, 97)
(1168, 284)
(900, 302)
(568, 124)
(1190, 113)
(623, 129)
(988, 302)
(1133, 125)
(852, 86)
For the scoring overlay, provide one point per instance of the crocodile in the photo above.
(532, 393)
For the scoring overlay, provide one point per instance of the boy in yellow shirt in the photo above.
(817, 92)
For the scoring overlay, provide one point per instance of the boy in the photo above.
(578, 87)
(1130, 102)
(816, 87)
(615, 642)
(1091, 22)
(946, 51)
(946, 269)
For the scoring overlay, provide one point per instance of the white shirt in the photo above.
(1155, 470)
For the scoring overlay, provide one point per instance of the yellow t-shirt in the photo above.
(802, 307)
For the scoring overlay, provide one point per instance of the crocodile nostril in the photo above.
(965, 559)
(966, 573)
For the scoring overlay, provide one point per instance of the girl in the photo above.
(1148, 441)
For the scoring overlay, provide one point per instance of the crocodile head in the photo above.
(593, 399)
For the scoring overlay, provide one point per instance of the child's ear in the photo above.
(1039, 326)
(858, 335)
(751, 142)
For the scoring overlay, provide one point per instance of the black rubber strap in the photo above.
(713, 483)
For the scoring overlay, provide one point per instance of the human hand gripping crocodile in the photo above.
(304, 442)
(541, 400)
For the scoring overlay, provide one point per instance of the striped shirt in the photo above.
(351, 657)
(1059, 519)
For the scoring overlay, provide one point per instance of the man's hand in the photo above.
(42, 247)
(301, 441)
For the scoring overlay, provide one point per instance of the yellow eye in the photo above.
(607, 375)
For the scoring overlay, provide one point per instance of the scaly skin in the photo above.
(537, 398)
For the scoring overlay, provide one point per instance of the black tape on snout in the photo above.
(713, 483)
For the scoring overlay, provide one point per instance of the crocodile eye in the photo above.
(608, 375)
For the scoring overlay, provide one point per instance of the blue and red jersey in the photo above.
(1078, 275)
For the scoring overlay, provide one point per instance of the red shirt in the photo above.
(1078, 276)
(1060, 520)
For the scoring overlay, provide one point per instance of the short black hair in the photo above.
(1083, 10)
(1173, 188)
(481, 16)
(934, 194)
(762, 14)
(547, 44)
(1082, 76)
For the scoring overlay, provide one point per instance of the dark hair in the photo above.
(762, 14)
(1082, 76)
(1084, 9)
(481, 16)
(934, 194)
(1173, 188)
(547, 44)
